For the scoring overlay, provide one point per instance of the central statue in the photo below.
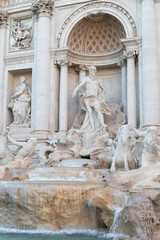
(92, 101)
(90, 129)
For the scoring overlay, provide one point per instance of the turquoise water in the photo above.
(13, 234)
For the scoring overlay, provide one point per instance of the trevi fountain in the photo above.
(80, 119)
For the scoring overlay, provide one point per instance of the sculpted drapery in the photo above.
(21, 103)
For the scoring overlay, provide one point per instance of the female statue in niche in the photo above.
(21, 103)
(92, 101)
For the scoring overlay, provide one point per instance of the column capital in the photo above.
(43, 8)
(131, 53)
(122, 62)
(63, 63)
(3, 19)
(81, 68)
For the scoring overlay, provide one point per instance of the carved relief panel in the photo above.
(21, 33)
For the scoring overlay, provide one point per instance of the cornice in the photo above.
(16, 60)
(81, 59)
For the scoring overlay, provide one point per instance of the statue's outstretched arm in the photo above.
(81, 84)
(14, 141)
(139, 133)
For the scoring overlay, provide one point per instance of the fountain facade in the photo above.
(80, 116)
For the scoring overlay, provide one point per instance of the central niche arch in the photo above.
(96, 40)
(96, 34)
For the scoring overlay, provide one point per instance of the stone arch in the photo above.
(106, 7)
(97, 34)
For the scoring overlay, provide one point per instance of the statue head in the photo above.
(152, 130)
(92, 70)
(33, 141)
(23, 79)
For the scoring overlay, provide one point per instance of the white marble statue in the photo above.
(122, 149)
(21, 35)
(151, 146)
(52, 141)
(5, 154)
(21, 103)
(26, 150)
(92, 101)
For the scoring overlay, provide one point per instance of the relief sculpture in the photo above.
(21, 35)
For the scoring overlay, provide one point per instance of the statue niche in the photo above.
(20, 104)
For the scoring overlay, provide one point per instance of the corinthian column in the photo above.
(123, 66)
(3, 26)
(63, 105)
(131, 88)
(151, 79)
(43, 11)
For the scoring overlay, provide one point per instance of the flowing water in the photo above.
(14, 234)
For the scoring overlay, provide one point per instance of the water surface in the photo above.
(15, 234)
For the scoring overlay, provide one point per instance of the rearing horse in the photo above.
(122, 153)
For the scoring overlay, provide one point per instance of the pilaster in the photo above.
(3, 26)
(150, 61)
(42, 10)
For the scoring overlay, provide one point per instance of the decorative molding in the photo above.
(96, 5)
(122, 62)
(81, 59)
(139, 41)
(42, 8)
(3, 18)
(132, 47)
(10, 3)
(63, 62)
(83, 67)
(130, 53)
(19, 60)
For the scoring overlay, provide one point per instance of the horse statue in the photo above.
(122, 149)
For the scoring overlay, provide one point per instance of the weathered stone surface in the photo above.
(49, 206)
(138, 179)
(142, 214)
(5, 174)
